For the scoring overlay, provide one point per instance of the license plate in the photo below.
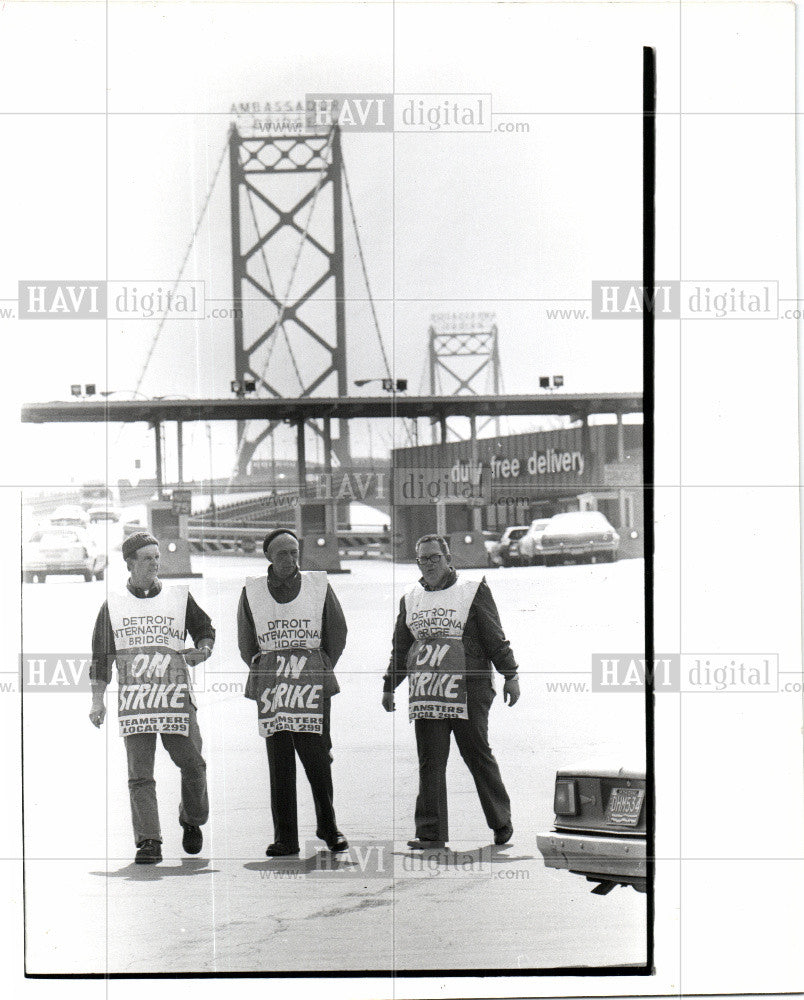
(625, 805)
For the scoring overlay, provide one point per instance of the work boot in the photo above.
(149, 852)
(193, 839)
(503, 834)
(278, 850)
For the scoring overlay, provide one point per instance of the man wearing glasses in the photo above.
(447, 635)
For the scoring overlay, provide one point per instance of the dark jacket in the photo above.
(333, 630)
(484, 641)
(197, 622)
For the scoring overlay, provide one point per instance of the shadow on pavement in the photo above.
(323, 861)
(490, 854)
(154, 873)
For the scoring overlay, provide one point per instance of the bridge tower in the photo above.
(464, 358)
(288, 275)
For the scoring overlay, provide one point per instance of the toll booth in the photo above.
(167, 522)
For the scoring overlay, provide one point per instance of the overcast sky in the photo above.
(512, 224)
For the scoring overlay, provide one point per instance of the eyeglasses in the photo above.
(429, 560)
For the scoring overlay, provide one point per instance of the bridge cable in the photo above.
(163, 317)
(368, 289)
(365, 271)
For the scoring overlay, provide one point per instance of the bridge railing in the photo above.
(352, 543)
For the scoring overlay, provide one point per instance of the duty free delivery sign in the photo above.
(475, 481)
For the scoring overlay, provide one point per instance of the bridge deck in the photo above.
(344, 407)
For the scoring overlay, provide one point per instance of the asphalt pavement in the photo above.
(380, 906)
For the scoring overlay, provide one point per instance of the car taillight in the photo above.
(565, 800)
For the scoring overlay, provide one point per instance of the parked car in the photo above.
(490, 540)
(97, 515)
(530, 544)
(97, 494)
(599, 830)
(506, 551)
(132, 527)
(62, 551)
(579, 534)
(69, 515)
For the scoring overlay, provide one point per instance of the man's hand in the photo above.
(388, 701)
(97, 714)
(511, 691)
(193, 656)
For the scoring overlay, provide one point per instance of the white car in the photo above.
(69, 515)
(530, 547)
(62, 551)
(579, 534)
(491, 540)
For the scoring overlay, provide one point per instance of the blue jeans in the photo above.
(185, 752)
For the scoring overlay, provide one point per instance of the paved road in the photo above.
(90, 909)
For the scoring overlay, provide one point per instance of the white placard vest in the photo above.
(289, 678)
(154, 694)
(436, 664)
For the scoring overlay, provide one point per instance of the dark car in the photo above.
(98, 515)
(599, 829)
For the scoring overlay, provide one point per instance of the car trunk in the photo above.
(579, 538)
(611, 802)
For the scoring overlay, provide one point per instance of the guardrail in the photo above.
(246, 541)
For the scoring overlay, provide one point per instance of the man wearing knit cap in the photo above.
(291, 632)
(143, 629)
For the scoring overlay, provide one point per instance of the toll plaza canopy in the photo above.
(158, 410)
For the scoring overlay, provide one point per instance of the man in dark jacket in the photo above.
(298, 612)
(447, 634)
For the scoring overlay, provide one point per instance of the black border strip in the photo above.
(649, 442)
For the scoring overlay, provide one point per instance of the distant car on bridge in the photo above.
(97, 515)
(69, 515)
(97, 494)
